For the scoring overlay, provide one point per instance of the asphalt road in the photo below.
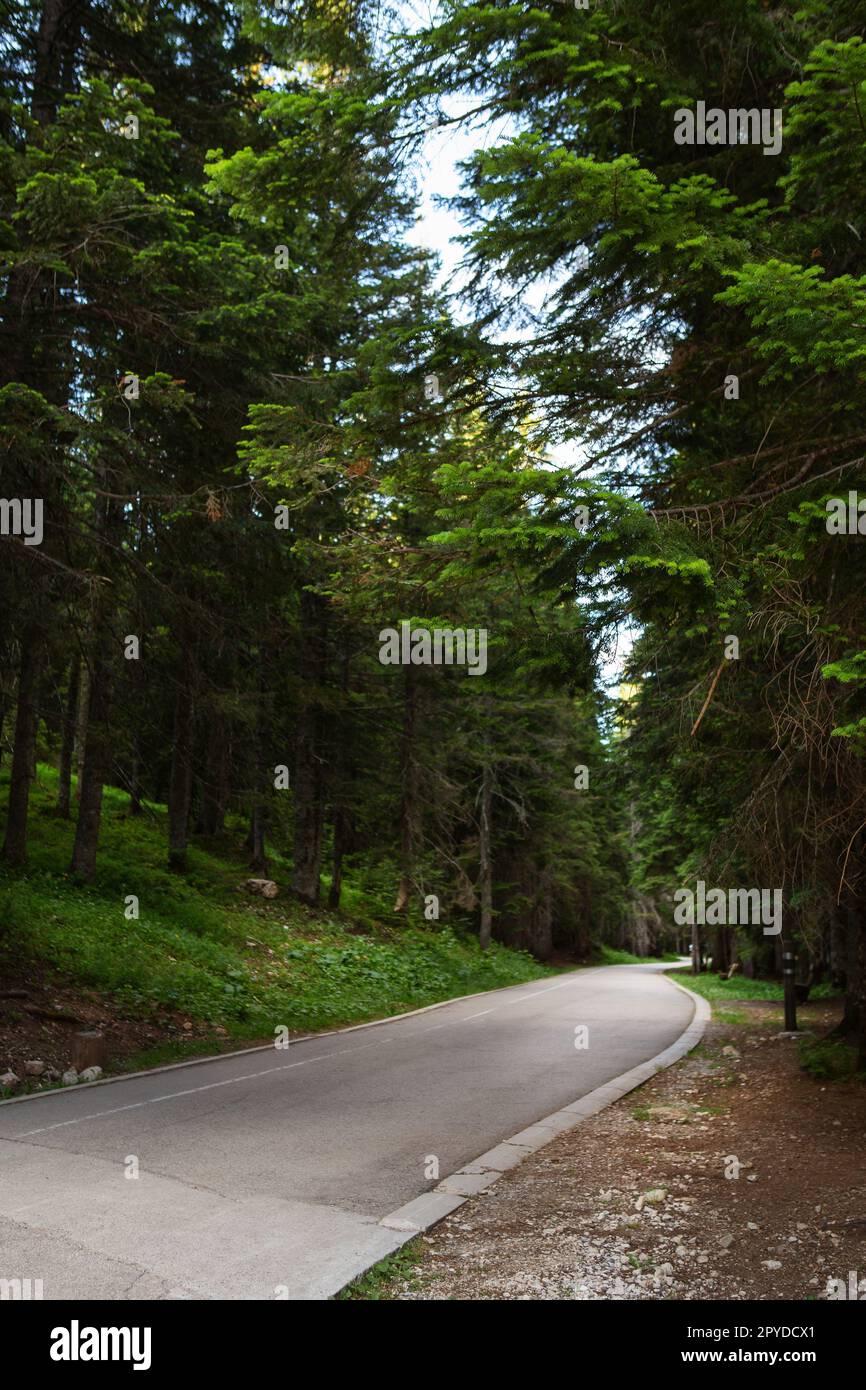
(266, 1174)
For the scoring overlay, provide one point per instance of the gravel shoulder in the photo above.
(642, 1201)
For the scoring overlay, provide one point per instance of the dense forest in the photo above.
(257, 458)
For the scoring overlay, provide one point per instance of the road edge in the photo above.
(417, 1216)
(299, 1038)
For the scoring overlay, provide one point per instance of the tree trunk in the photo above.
(58, 33)
(485, 930)
(342, 842)
(307, 837)
(180, 782)
(837, 949)
(410, 809)
(342, 781)
(309, 766)
(96, 754)
(696, 950)
(860, 994)
(258, 813)
(26, 725)
(258, 860)
(64, 770)
(96, 744)
(214, 783)
(57, 38)
(81, 726)
(135, 782)
(853, 1023)
(5, 693)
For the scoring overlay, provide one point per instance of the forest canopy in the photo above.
(248, 428)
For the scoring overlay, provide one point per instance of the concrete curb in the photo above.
(479, 1175)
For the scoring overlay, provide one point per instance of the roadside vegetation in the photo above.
(202, 949)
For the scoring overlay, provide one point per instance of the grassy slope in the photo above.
(219, 956)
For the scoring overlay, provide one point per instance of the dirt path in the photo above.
(641, 1202)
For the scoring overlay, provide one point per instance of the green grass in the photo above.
(723, 991)
(735, 1017)
(829, 1059)
(608, 955)
(379, 1282)
(214, 954)
(165, 1054)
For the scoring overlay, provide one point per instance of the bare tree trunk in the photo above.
(853, 1023)
(94, 772)
(410, 809)
(4, 705)
(81, 726)
(94, 712)
(859, 991)
(64, 770)
(5, 691)
(58, 32)
(135, 781)
(26, 725)
(214, 782)
(309, 766)
(342, 840)
(309, 817)
(137, 693)
(837, 949)
(485, 930)
(180, 782)
(341, 788)
(33, 358)
(258, 860)
(57, 38)
(721, 950)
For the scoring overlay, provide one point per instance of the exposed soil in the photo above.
(636, 1202)
(40, 1014)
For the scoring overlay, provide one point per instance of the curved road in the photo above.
(266, 1174)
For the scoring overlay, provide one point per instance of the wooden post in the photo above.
(88, 1050)
(790, 991)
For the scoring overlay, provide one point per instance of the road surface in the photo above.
(265, 1175)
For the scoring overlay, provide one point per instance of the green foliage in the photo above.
(401, 1268)
(201, 948)
(719, 991)
(609, 955)
(616, 283)
(828, 1059)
